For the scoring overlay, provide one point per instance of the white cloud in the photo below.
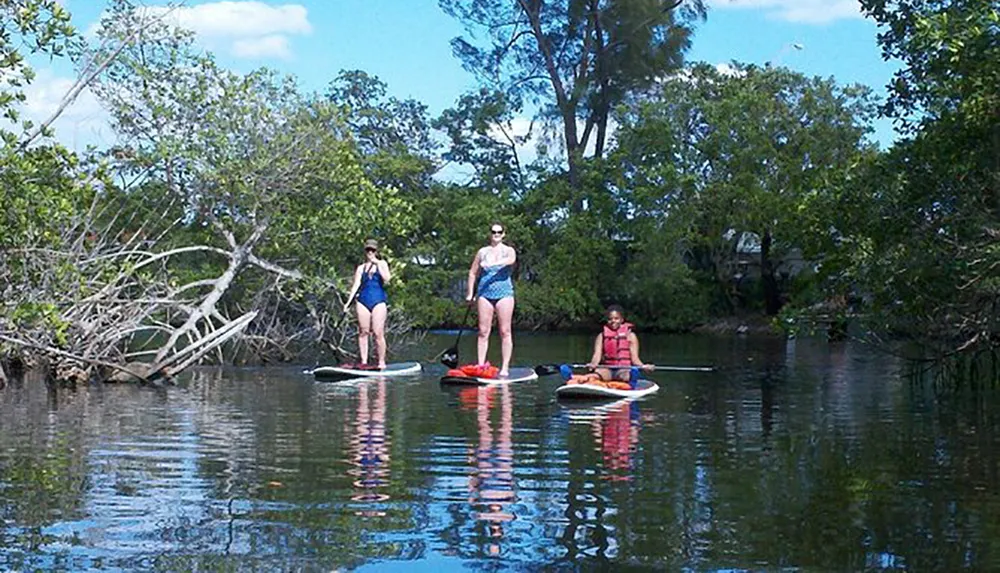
(273, 46)
(241, 19)
(243, 28)
(728, 70)
(530, 134)
(82, 123)
(517, 127)
(803, 11)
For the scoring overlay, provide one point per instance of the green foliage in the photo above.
(659, 290)
(751, 150)
(40, 190)
(570, 273)
(481, 135)
(27, 27)
(247, 154)
(392, 136)
(41, 187)
(925, 250)
(575, 59)
(43, 315)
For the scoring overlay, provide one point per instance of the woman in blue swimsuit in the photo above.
(492, 267)
(369, 284)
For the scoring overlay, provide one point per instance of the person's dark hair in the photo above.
(614, 308)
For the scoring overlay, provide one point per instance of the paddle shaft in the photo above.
(338, 355)
(655, 367)
(465, 320)
(449, 357)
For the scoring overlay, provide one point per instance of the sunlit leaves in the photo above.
(761, 150)
(573, 59)
(934, 212)
(248, 151)
(27, 27)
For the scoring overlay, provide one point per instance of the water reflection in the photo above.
(618, 435)
(491, 481)
(595, 525)
(805, 456)
(615, 429)
(368, 446)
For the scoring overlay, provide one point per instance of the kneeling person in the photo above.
(616, 345)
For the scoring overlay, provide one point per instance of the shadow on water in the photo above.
(794, 454)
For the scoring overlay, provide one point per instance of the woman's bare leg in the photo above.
(378, 329)
(485, 309)
(505, 316)
(364, 331)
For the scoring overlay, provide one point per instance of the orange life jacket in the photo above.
(616, 346)
(596, 381)
(475, 370)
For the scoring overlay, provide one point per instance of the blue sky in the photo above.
(406, 44)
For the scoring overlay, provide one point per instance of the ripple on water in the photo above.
(259, 469)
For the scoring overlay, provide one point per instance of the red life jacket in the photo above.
(616, 346)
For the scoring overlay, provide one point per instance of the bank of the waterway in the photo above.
(794, 454)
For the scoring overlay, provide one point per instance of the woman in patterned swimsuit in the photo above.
(492, 265)
(369, 284)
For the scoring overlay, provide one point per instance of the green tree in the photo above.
(746, 150)
(27, 27)
(928, 252)
(271, 177)
(575, 58)
(39, 187)
(481, 136)
(393, 136)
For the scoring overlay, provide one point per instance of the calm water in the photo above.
(798, 455)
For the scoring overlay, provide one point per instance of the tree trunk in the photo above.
(772, 298)
(566, 102)
(602, 130)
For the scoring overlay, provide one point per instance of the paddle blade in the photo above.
(450, 357)
(327, 376)
(546, 369)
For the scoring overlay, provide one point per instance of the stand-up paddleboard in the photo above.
(339, 373)
(516, 375)
(594, 391)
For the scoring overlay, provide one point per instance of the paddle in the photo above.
(450, 355)
(546, 369)
(338, 355)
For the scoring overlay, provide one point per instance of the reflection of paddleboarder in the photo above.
(370, 446)
(617, 435)
(492, 480)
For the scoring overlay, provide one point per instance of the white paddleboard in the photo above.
(516, 375)
(643, 388)
(336, 373)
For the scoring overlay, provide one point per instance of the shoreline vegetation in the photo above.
(749, 324)
(224, 224)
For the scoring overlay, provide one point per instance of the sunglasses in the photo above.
(370, 250)
(496, 231)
